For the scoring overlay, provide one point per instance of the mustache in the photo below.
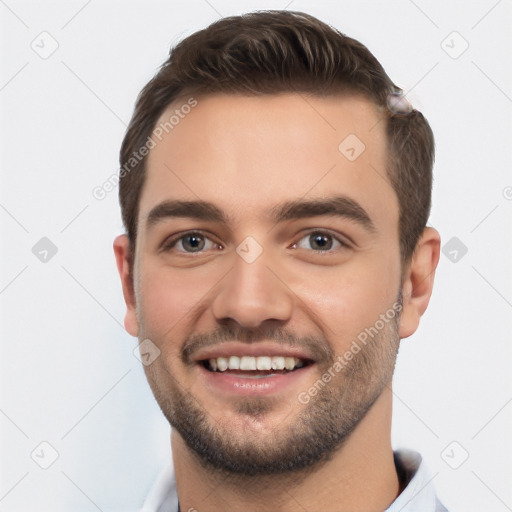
(316, 345)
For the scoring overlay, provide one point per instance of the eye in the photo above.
(320, 241)
(192, 242)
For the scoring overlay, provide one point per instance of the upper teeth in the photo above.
(255, 363)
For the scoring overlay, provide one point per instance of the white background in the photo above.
(68, 373)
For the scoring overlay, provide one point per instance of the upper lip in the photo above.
(228, 349)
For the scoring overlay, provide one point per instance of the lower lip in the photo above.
(247, 386)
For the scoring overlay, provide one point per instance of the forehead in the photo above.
(247, 154)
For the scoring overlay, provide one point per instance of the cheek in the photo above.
(167, 298)
(351, 299)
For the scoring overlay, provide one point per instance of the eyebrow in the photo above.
(337, 206)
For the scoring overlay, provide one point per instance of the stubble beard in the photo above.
(307, 440)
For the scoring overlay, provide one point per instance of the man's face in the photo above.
(263, 275)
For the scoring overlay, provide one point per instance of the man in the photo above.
(275, 188)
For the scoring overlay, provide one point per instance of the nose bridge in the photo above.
(251, 293)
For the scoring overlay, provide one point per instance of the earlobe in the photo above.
(418, 281)
(122, 254)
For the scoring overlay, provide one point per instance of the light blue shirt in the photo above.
(418, 495)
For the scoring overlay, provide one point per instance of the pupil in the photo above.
(321, 241)
(194, 242)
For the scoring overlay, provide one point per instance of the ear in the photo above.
(122, 253)
(418, 281)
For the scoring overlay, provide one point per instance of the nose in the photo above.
(251, 294)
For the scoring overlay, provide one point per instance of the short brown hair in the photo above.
(269, 52)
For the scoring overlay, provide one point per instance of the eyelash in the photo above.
(172, 243)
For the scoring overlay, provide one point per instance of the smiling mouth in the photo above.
(255, 367)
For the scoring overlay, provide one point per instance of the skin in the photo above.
(247, 155)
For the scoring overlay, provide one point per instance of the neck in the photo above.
(361, 476)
